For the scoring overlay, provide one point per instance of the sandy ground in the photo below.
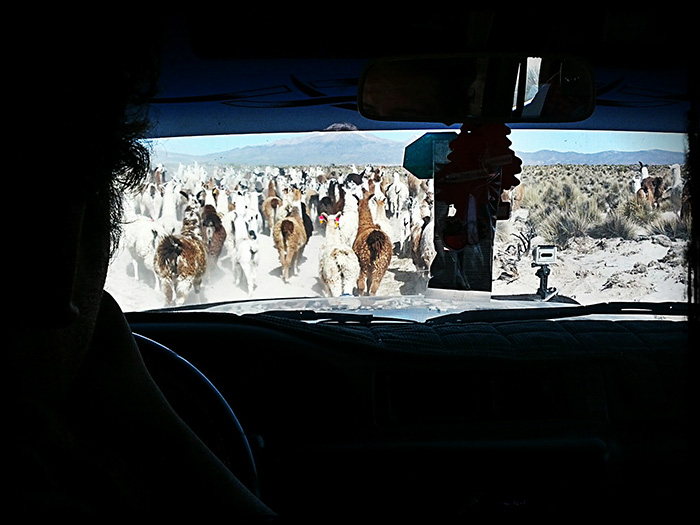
(589, 270)
(142, 294)
(604, 270)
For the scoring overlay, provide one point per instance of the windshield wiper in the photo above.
(514, 314)
(330, 317)
(219, 304)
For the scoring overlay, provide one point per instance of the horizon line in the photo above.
(561, 141)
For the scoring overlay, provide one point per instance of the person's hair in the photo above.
(105, 79)
(129, 156)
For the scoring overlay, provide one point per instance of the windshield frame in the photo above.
(175, 151)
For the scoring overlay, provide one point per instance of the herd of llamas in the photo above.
(182, 227)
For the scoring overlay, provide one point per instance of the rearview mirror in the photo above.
(457, 89)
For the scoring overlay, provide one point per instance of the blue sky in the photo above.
(523, 141)
(596, 141)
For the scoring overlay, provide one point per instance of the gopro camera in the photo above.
(544, 254)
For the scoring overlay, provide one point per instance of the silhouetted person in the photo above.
(90, 433)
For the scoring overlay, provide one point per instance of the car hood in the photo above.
(407, 307)
(436, 308)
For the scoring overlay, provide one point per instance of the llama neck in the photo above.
(676, 175)
(365, 215)
(381, 209)
(637, 182)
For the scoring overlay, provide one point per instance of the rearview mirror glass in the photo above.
(455, 89)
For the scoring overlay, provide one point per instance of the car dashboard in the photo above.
(354, 417)
(353, 408)
(447, 421)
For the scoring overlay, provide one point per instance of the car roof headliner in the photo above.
(298, 71)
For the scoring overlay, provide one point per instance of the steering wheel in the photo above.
(197, 401)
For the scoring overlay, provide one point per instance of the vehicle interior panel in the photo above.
(420, 265)
(448, 412)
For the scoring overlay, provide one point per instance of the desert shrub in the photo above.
(554, 194)
(572, 201)
(569, 191)
(615, 224)
(637, 211)
(504, 231)
(611, 199)
(563, 225)
(564, 206)
(670, 225)
(540, 197)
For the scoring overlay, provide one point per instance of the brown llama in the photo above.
(685, 202)
(290, 238)
(651, 191)
(514, 195)
(272, 211)
(213, 234)
(372, 246)
(181, 261)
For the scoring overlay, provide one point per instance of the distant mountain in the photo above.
(649, 157)
(339, 148)
(321, 148)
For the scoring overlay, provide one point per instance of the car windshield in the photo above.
(607, 207)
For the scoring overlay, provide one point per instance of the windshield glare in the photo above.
(610, 204)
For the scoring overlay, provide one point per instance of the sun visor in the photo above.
(655, 100)
(204, 97)
(246, 96)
